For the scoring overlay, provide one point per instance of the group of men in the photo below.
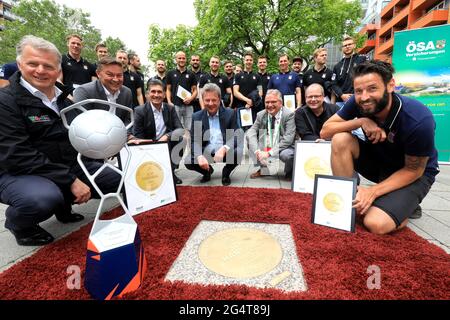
(40, 177)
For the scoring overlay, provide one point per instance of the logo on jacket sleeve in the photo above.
(38, 119)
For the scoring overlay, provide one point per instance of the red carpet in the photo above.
(335, 262)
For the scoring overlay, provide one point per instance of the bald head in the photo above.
(180, 58)
(315, 87)
(314, 95)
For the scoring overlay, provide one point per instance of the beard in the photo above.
(380, 105)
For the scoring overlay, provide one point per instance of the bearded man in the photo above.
(398, 153)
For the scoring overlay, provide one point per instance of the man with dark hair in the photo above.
(218, 125)
(262, 72)
(39, 173)
(131, 79)
(287, 82)
(220, 80)
(310, 118)
(160, 74)
(198, 72)
(228, 69)
(342, 71)
(398, 154)
(101, 50)
(75, 69)
(135, 66)
(297, 65)
(158, 121)
(108, 87)
(247, 87)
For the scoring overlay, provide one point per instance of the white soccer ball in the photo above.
(97, 134)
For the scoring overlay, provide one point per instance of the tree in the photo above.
(229, 28)
(165, 43)
(48, 20)
(114, 45)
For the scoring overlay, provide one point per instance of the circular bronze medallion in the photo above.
(289, 104)
(184, 95)
(240, 253)
(149, 176)
(315, 165)
(333, 202)
(246, 117)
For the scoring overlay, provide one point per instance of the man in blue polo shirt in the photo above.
(287, 82)
(398, 154)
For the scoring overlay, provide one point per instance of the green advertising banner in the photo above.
(422, 64)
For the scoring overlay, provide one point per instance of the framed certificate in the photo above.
(289, 102)
(310, 158)
(182, 93)
(149, 180)
(246, 117)
(332, 204)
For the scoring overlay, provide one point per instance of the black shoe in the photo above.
(33, 236)
(417, 213)
(288, 176)
(206, 177)
(177, 180)
(226, 181)
(70, 218)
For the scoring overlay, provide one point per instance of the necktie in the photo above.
(272, 123)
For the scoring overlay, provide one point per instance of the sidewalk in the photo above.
(433, 226)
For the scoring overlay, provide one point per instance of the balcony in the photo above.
(386, 47)
(403, 15)
(367, 46)
(369, 29)
(432, 18)
(423, 4)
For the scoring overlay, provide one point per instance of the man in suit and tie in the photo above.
(214, 137)
(158, 121)
(272, 134)
(109, 87)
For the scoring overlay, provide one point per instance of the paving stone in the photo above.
(437, 229)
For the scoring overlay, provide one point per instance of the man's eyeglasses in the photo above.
(314, 97)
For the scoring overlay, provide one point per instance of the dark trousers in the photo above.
(176, 149)
(229, 166)
(33, 199)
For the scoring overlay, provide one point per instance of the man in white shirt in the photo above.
(39, 173)
(156, 121)
(109, 87)
(272, 135)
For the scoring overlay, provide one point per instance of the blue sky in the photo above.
(129, 19)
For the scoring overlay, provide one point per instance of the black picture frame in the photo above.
(343, 189)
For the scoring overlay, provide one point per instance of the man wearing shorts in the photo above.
(398, 153)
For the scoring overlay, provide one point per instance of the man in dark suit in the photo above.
(158, 121)
(109, 87)
(214, 137)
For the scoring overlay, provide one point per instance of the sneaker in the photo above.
(417, 213)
